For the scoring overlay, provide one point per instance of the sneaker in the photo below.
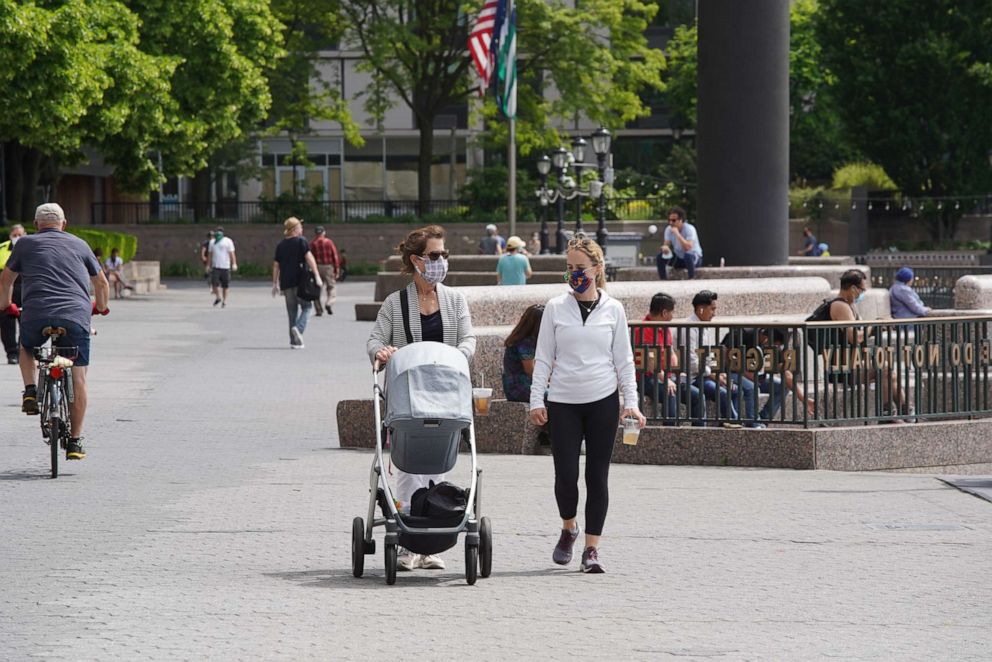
(563, 550)
(29, 401)
(74, 449)
(223, 304)
(317, 309)
(295, 338)
(756, 426)
(431, 562)
(407, 560)
(590, 562)
(12, 359)
(216, 301)
(328, 309)
(730, 425)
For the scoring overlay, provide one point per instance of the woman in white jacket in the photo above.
(583, 356)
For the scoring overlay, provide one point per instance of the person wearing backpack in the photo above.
(853, 285)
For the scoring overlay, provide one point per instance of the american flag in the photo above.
(479, 41)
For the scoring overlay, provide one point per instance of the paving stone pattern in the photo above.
(212, 518)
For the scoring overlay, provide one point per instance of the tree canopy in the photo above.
(595, 56)
(913, 81)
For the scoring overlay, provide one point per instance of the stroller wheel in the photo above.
(471, 563)
(390, 564)
(357, 546)
(485, 547)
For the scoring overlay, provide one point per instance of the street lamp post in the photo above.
(567, 188)
(601, 146)
(560, 162)
(543, 168)
(579, 152)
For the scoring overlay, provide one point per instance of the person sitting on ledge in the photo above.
(904, 302)
(681, 248)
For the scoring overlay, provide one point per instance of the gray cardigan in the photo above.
(455, 320)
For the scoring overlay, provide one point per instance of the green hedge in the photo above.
(105, 240)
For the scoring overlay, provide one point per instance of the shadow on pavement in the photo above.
(374, 577)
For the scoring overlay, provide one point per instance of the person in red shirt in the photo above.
(662, 310)
(328, 266)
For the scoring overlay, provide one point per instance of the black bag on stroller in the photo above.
(444, 503)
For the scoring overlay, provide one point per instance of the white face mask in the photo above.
(13, 240)
(434, 271)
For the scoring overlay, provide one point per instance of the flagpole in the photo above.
(511, 159)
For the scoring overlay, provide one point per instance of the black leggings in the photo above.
(597, 423)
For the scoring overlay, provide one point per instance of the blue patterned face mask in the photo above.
(578, 280)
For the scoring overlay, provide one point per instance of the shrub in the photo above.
(865, 174)
(105, 240)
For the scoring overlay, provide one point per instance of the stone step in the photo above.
(485, 263)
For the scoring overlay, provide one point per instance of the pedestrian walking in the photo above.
(584, 359)
(513, 267)
(328, 266)
(293, 257)
(222, 260)
(9, 322)
(424, 310)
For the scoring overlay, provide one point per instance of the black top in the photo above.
(290, 253)
(431, 327)
(586, 307)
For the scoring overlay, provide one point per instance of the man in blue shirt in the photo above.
(681, 248)
(903, 300)
(58, 270)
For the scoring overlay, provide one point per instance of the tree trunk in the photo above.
(201, 195)
(424, 161)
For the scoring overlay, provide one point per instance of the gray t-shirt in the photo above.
(55, 269)
(489, 245)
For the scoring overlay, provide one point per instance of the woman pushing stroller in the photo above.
(425, 310)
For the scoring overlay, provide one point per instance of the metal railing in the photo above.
(813, 374)
(271, 211)
(330, 211)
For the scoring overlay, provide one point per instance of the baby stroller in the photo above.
(428, 395)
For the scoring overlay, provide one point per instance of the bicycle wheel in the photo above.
(53, 441)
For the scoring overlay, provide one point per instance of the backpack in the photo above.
(815, 337)
(442, 501)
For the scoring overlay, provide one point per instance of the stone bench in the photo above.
(143, 275)
(506, 429)
(831, 273)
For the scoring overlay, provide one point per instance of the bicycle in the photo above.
(55, 392)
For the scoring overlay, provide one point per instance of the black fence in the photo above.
(340, 211)
(812, 374)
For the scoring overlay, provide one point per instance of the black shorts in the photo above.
(221, 277)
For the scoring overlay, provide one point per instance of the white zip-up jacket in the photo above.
(584, 362)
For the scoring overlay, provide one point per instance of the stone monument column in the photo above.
(743, 131)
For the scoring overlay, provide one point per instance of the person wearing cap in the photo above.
(58, 270)
(8, 323)
(328, 266)
(514, 267)
(223, 261)
(287, 270)
(904, 302)
(492, 243)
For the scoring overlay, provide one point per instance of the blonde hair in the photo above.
(416, 243)
(290, 224)
(592, 250)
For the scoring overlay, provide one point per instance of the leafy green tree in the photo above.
(595, 55)
(914, 90)
(138, 82)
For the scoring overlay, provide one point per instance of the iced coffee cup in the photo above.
(631, 430)
(481, 398)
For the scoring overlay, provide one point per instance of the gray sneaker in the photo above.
(563, 550)
(590, 562)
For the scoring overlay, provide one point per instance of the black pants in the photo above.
(596, 422)
(8, 325)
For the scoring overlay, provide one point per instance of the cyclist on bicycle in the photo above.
(57, 271)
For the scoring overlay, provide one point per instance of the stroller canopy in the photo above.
(428, 380)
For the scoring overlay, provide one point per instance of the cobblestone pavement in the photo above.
(212, 517)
